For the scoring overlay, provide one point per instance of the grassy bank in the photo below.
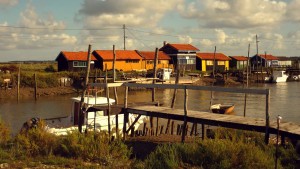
(37, 148)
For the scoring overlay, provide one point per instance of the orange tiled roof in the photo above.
(149, 55)
(184, 47)
(268, 57)
(210, 56)
(239, 58)
(80, 56)
(120, 54)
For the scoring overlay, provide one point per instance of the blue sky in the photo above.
(40, 29)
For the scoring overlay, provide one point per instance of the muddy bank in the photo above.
(29, 92)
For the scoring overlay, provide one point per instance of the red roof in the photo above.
(268, 57)
(150, 55)
(120, 54)
(210, 56)
(239, 58)
(182, 47)
(80, 56)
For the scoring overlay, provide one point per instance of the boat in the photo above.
(279, 76)
(222, 108)
(96, 117)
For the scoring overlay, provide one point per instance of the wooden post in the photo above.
(35, 87)
(203, 131)
(125, 112)
(156, 126)
(117, 126)
(185, 114)
(173, 99)
(81, 113)
(18, 83)
(172, 127)
(267, 134)
(144, 129)
(154, 73)
(108, 103)
(114, 74)
(247, 81)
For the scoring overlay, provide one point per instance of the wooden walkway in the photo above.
(287, 129)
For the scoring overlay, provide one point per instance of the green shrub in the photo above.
(4, 133)
(35, 142)
(94, 147)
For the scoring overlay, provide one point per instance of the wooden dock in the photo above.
(287, 129)
(266, 126)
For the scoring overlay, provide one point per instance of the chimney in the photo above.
(165, 42)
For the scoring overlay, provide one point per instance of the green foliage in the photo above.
(35, 142)
(165, 156)
(4, 133)
(94, 147)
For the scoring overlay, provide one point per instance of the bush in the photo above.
(4, 133)
(94, 147)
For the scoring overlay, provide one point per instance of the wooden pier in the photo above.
(286, 129)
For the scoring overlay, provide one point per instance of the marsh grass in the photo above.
(228, 149)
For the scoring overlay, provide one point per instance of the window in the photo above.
(132, 61)
(209, 62)
(79, 64)
(221, 62)
(186, 61)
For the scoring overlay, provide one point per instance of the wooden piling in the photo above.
(185, 114)
(114, 75)
(81, 114)
(18, 83)
(267, 134)
(35, 87)
(172, 127)
(125, 113)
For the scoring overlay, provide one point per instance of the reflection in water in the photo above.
(285, 98)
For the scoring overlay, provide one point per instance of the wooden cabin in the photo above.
(126, 60)
(148, 59)
(238, 62)
(263, 60)
(182, 56)
(205, 62)
(285, 62)
(74, 61)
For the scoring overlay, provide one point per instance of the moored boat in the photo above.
(279, 76)
(222, 108)
(95, 118)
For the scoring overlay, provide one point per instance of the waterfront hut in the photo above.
(149, 56)
(295, 62)
(205, 62)
(284, 62)
(74, 61)
(126, 60)
(263, 60)
(183, 56)
(238, 62)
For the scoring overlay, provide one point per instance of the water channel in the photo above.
(284, 101)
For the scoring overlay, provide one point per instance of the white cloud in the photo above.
(221, 36)
(29, 18)
(236, 13)
(9, 2)
(144, 13)
(185, 39)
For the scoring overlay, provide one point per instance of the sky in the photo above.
(41, 29)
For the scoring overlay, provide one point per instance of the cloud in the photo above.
(34, 35)
(29, 18)
(9, 2)
(130, 12)
(235, 13)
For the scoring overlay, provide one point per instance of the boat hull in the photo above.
(222, 109)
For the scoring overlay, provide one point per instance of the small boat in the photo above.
(95, 117)
(222, 108)
(279, 76)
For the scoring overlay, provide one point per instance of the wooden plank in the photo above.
(109, 85)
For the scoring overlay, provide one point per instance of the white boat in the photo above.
(94, 119)
(279, 76)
